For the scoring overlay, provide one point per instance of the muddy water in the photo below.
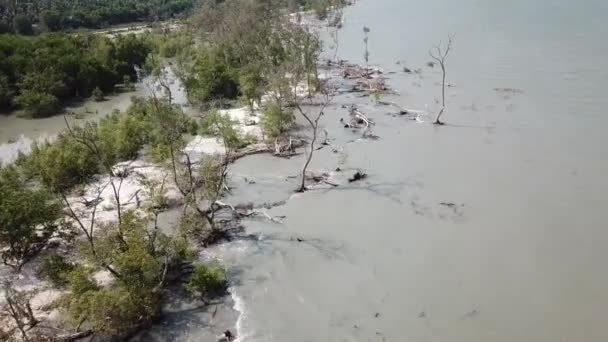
(17, 133)
(515, 252)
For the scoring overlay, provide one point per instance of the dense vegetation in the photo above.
(67, 162)
(140, 260)
(54, 15)
(38, 74)
(249, 48)
(28, 218)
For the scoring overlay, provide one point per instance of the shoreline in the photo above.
(199, 145)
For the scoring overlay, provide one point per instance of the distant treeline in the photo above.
(38, 73)
(23, 16)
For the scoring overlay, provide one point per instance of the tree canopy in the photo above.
(38, 73)
(55, 15)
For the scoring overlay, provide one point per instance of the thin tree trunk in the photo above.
(308, 159)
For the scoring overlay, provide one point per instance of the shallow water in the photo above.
(519, 256)
(17, 132)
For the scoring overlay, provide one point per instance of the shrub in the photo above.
(37, 104)
(60, 164)
(122, 135)
(79, 280)
(207, 282)
(276, 120)
(108, 311)
(210, 78)
(56, 269)
(252, 83)
(97, 94)
(28, 218)
(221, 126)
(126, 82)
(138, 255)
(320, 7)
(23, 25)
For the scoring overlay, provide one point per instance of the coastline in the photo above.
(248, 125)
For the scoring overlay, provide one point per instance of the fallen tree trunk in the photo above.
(73, 336)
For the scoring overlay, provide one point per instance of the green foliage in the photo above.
(210, 78)
(170, 44)
(122, 135)
(98, 94)
(50, 20)
(115, 310)
(28, 216)
(23, 25)
(56, 269)
(60, 164)
(80, 280)
(137, 252)
(140, 255)
(222, 126)
(126, 82)
(167, 125)
(73, 158)
(276, 120)
(6, 93)
(207, 282)
(252, 83)
(39, 73)
(321, 9)
(66, 14)
(37, 104)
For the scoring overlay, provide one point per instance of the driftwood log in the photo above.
(73, 336)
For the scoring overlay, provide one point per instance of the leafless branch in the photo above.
(440, 55)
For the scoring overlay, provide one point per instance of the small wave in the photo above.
(240, 307)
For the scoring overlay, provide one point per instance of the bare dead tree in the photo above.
(163, 81)
(313, 121)
(19, 310)
(334, 24)
(439, 54)
(302, 49)
(88, 138)
(89, 229)
(366, 31)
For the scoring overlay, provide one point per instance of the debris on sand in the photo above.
(359, 175)
(227, 336)
(509, 90)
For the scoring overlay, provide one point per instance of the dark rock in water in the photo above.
(338, 169)
(357, 177)
(430, 64)
(407, 70)
(227, 337)
(377, 315)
